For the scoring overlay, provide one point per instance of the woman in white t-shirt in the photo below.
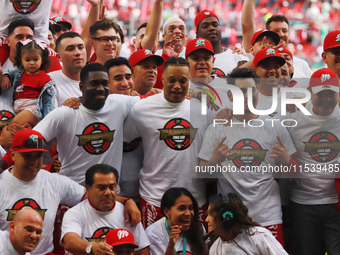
(180, 231)
(232, 231)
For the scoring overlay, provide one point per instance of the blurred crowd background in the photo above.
(310, 21)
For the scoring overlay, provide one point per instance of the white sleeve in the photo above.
(140, 237)
(267, 244)
(157, 245)
(52, 125)
(210, 140)
(71, 192)
(2, 151)
(131, 130)
(71, 224)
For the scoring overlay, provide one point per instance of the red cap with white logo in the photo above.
(268, 53)
(202, 15)
(120, 236)
(199, 44)
(332, 40)
(324, 79)
(140, 55)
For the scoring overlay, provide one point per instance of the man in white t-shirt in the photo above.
(315, 221)
(208, 27)
(24, 233)
(86, 224)
(94, 132)
(26, 185)
(71, 52)
(164, 123)
(245, 146)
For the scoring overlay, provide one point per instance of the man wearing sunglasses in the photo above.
(331, 51)
(106, 40)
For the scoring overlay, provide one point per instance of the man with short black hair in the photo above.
(71, 52)
(86, 224)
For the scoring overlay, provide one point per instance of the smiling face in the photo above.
(201, 63)
(269, 70)
(181, 213)
(26, 164)
(105, 50)
(176, 31)
(332, 58)
(176, 81)
(210, 29)
(282, 29)
(95, 90)
(26, 230)
(31, 61)
(103, 191)
(120, 80)
(324, 102)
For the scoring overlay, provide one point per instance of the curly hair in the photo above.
(32, 46)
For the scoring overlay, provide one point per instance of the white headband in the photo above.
(170, 20)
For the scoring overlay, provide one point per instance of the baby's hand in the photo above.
(5, 83)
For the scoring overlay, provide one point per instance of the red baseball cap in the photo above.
(198, 44)
(140, 55)
(62, 21)
(266, 33)
(28, 140)
(202, 15)
(120, 236)
(324, 79)
(332, 40)
(56, 26)
(268, 53)
(285, 50)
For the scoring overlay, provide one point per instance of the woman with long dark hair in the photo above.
(180, 231)
(233, 231)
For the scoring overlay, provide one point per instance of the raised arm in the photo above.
(152, 29)
(93, 16)
(248, 23)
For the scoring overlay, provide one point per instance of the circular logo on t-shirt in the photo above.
(98, 235)
(248, 153)
(323, 146)
(96, 138)
(24, 203)
(218, 72)
(25, 6)
(5, 118)
(178, 134)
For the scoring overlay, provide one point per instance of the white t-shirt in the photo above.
(225, 62)
(159, 239)
(259, 191)
(260, 242)
(36, 13)
(316, 139)
(181, 54)
(65, 87)
(301, 68)
(88, 137)
(92, 225)
(43, 194)
(169, 156)
(6, 247)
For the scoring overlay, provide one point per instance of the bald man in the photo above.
(24, 233)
